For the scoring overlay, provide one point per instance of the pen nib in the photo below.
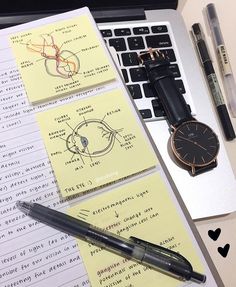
(23, 206)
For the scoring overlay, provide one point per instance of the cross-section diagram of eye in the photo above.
(92, 138)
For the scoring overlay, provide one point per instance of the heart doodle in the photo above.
(214, 234)
(224, 250)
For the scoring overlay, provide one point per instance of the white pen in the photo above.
(228, 77)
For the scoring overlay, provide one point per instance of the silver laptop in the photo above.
(130, 27)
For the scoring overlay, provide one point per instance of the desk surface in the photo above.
(224, 226)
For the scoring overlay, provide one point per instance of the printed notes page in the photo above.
(144, 209)
(94, 141)
(61, 58)
(31, 254)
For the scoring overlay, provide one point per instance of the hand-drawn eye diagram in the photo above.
(57, 62)
(92, 138)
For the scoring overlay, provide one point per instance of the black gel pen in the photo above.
(148, 254)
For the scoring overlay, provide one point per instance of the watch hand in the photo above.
(200, 146)
(188, 140)
(195, 143)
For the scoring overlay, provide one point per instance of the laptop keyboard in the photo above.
(128, 43)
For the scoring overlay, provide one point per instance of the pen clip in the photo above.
(172, 254)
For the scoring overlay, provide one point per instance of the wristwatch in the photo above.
(194, 144)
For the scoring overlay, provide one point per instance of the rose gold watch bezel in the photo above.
(176, 154)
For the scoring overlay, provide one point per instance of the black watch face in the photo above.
(195, 144)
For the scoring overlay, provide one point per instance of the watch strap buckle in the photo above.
(151, 55)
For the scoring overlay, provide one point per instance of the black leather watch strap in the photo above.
(199, 170)
(174, 104)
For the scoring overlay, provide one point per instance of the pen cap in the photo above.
(199, 38)
(211, 11)
(197, 31)
(214, 24)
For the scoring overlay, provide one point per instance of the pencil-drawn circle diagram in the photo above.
(92, 138)
(58, 63)
(64, 64)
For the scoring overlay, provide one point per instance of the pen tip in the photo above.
(200, 278)
(23, 206)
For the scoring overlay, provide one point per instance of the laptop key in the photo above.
(159, 29)
(106, 33)
(118, 44)
(125, 75)
(141, 30)
(130, 59)
(122, 32)
(136, 43)
(175, 70)
(169, 54)
(135, 91)
(180, 86)
(138, 74)
(157, 108)
(158, 41)
(148, 91)
(146, 113)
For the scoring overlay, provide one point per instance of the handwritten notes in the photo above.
(61, 58)
(52, 257)
(142, 209)
(94, 141)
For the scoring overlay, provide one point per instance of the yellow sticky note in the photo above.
(94, 141)
(61, 58)
(143, 209)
